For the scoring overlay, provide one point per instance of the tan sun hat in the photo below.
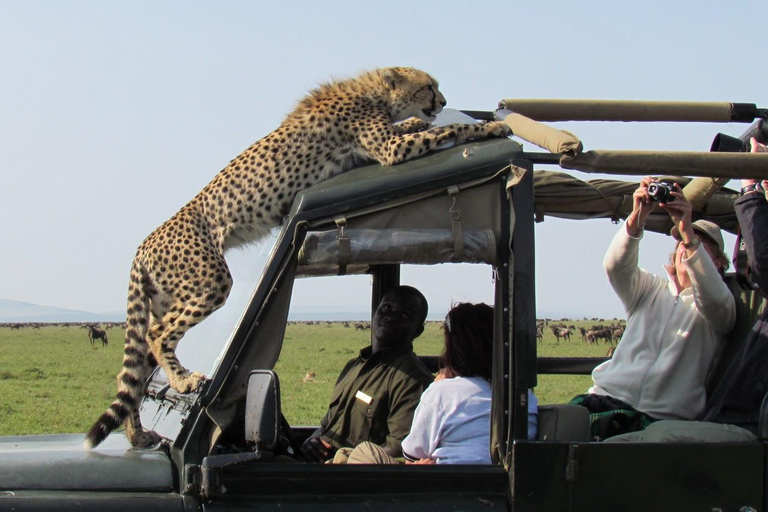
(708, 229)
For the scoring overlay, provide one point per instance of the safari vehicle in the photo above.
(228, 446)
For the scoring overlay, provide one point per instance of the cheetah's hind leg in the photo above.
(164, 336)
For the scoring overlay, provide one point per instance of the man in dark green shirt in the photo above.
(377, 392)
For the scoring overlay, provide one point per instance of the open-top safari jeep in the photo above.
(229, 447)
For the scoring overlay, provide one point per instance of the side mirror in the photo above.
(262, 410)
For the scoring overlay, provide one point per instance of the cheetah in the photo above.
(179, 275)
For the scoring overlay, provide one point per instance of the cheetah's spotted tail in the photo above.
(136, 366)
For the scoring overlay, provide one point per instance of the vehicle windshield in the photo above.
(202, 347)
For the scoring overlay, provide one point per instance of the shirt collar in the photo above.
(386, 354)
(671, 276)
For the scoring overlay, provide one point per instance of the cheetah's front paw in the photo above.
(497, 129)
(188, 383)
(412, 125)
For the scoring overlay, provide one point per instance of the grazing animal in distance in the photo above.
(561, 332)
(179, 275)
(309, 377)
(94, 333)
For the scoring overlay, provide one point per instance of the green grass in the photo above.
(52, 381)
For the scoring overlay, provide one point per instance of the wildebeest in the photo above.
(596, 334)
(560, 332)
(94, 333)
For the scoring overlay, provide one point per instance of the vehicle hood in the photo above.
(59, 462)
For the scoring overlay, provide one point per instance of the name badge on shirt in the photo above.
(363, 397)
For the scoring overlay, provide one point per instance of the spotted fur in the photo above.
(179, 275)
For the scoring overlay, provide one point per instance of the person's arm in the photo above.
(713, 298)
(642, 206)
(533, 415)
(404, 394)
(681, 212)
(316, 448)
(752, 212)
(620, 261)
(621, 266)
(426, 429)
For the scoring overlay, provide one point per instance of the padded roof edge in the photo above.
(373, 183)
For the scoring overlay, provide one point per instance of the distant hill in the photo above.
(15, 311)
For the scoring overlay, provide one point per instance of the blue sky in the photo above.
(113, 115)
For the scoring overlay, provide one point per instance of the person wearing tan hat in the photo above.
(709, 233)
(732, 412)
(675, 325)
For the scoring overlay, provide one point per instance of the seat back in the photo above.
(750, 304)
(564, 422)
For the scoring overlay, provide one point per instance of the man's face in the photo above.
(397, 320)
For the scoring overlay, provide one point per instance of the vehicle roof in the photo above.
(372, 183)
(557, 193)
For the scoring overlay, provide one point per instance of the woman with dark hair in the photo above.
(468, 347)
(452, 423)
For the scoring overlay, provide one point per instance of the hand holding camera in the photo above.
(661, 191)
(669, 196)
(677, 206)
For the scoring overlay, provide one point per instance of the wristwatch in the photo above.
(692, 244)
(754, 187)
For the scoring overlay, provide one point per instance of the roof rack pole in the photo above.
(634, 111)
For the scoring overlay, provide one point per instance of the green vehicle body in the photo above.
(480, 199)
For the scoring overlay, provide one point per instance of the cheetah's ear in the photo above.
(392, 78)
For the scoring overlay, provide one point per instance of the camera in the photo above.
(661, 191)
(726, 143)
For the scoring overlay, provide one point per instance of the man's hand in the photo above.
(642, 206)
(317, 449)
(681, 211)
(757, 148)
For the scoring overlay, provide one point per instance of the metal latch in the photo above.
(458, 234)
(345, 251)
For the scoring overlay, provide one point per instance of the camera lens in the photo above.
(660, 191)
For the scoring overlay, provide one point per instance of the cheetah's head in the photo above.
(413, 93)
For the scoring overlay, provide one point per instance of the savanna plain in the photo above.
(53, 381)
